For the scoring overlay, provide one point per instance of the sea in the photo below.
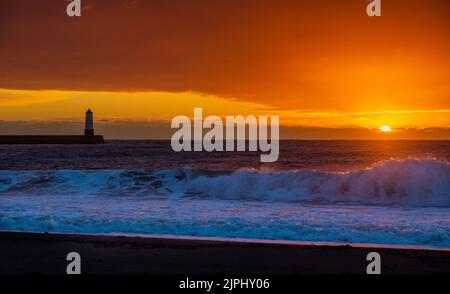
(371, 192)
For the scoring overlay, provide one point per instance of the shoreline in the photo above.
(242, 240)
(45, 253)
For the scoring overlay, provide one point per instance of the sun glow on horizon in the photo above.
(386, 129)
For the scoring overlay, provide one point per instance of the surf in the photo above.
(408, 183)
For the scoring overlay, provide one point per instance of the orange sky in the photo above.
(319, 64)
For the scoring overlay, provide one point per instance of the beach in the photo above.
(41, 253)
(208, 214)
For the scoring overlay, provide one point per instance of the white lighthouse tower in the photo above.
(89, 124)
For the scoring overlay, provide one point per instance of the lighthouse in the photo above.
(89, 124)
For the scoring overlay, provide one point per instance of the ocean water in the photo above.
(380, 192)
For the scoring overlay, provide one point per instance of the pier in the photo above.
(89, 136)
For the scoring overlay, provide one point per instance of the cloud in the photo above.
(291, 54)
(15, 98)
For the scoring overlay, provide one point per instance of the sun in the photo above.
(386, 129)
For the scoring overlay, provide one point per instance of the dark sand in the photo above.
(29, 253)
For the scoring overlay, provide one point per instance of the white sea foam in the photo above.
(408, 183)
(413, 183)
(394, 202)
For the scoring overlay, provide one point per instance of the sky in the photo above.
(326, 68)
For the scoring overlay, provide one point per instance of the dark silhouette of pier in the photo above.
(89, 136)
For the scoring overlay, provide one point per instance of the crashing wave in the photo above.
(409, 183)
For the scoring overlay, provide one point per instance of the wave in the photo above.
(408, 183)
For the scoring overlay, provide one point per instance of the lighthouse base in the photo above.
(89, 132)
